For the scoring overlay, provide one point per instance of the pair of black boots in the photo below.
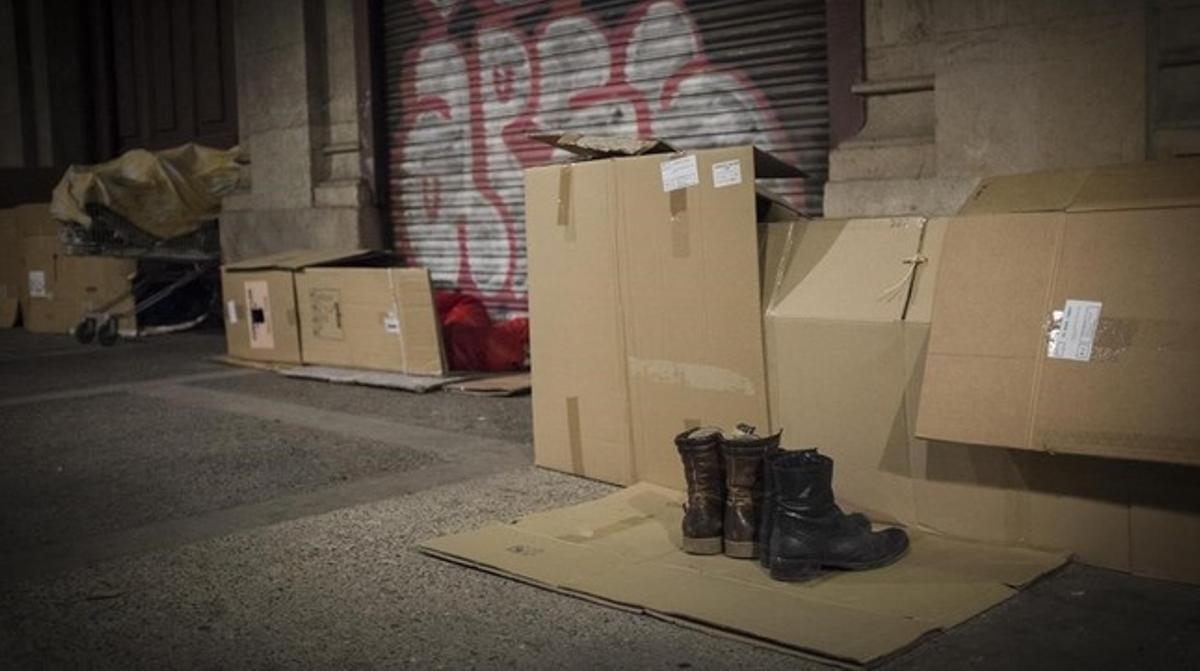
(749, 498)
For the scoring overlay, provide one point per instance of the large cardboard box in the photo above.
(847, 329)
(261, 319)
(58, 289)
(644, 304)
(1073, 329)
(375, 318)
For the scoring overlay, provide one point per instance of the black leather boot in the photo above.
(743, 453)
(700, 450)
(810, 533)
(766, 517)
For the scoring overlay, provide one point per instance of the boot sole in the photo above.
(799, 570)
(703, 546)
(741, 549)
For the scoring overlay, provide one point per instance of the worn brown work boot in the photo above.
(743, 454)
(766, 515)
(700, 451)
(810, 533)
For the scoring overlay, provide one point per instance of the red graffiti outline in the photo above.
(616, 88)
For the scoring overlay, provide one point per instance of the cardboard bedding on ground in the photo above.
(622, 550)
(479, 384)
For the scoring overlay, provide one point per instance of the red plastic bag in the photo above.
(473, 342)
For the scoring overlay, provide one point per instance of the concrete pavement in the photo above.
(159, 511)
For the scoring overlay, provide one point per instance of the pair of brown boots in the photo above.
(725, 489)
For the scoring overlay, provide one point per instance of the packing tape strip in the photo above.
(1116, 335)
(573, 435)
(681, 247)
(399, 326)
(564, 218)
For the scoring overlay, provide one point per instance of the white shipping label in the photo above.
(727, 173)
(679, 173)
(37, 283)
(1073, 331)
(258, 315)
(231, 309)
(391, 323)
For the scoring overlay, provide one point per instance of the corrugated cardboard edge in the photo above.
(678, 620)
(602, 146)
(420, 384)
(494, 385)
(247, 363)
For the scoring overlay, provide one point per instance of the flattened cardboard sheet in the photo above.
(419, 384)
(500, 385)
(623, 550)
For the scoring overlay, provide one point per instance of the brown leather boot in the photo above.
(743, 455)
(700, 451)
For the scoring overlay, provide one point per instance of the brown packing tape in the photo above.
(573, 433)
(1116, 335)
(680, 242)
(564, 204)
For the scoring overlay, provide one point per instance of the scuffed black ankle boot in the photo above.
(767, 514)
(810, 533)
(703, 514)
(743, 454)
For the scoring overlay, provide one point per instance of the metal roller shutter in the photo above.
(467, 80)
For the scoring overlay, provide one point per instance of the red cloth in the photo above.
(473, 342)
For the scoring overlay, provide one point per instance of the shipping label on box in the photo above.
(258, 311)
(1073, 330)
(326, 321)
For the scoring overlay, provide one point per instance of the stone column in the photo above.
(297, 119)
(958, 90)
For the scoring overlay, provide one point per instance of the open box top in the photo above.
(298, 259)
(587, 147)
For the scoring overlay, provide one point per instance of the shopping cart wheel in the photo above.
(107, 335)
(85, 331)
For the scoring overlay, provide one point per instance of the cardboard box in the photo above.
(374, 318)
(1072, 330)
(644, 303)
(57, 290)
(847, 328)
(261, 319)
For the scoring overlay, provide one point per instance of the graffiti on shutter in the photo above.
(470, 98)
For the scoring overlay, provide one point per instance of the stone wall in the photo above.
(298, 119)
(961, 89)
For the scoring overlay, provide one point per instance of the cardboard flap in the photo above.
(848, 269)
(769, 166)
(1174, 183)
(1045, 191)
(305, 258)
(603, 146)
(1131, 186)
(772, 208)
